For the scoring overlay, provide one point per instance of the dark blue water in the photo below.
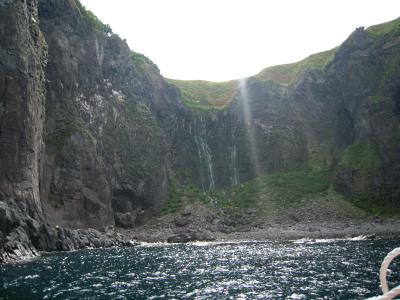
(248, 270)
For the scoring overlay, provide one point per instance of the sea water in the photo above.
(321, 269)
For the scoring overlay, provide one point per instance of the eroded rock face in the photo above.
(22, 57)
(99, 136)
(363, 79)
(106, 153)
(23, 53)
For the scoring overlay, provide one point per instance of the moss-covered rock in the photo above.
(360, 157)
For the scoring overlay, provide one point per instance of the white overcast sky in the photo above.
(228, 39)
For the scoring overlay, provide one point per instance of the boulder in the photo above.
(125, 220)
(189, 237)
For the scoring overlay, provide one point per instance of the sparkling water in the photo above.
(322, 269)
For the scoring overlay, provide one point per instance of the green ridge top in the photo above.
(206, 94)
(217, 95)
(391, 28)
(91, 17)
(289, 73)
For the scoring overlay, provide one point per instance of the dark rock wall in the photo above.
(106, 153)
(22, 58)
(363, 80)
(23, 53)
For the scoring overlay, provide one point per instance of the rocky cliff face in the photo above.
(365, 76)
(106, 153)
(82, 143)
(23, 55)
(92, 135)
(335, 111)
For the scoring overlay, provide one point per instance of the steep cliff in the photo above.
(106, 153)
(82, 143)
(22, 56)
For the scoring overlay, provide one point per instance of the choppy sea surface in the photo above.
(325, 269)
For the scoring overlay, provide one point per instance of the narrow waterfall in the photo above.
(234, 171)
(208, 161)
(204, 154)
(200, 156)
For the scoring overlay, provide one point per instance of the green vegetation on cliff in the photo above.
(180, 194)
(282, 189)
(362, 161)
(64, 130)
(91, 17)
(391, 28)
(289, 73)
(140, 60)
(174, 201)
(206, 94)
(283, 194)
(279, 189)
(375, 206)
(361, 157)
(216, 95)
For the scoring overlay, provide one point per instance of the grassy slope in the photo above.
(216, 95)
(289, 73)
(206, 94)
(305, 194)
(391, 28)
(285, 188)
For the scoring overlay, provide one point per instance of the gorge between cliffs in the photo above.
(98, 149)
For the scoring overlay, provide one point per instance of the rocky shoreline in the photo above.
(26, 238)
(198, 222)
(18, 247)
(389, 228)
(321, 231)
